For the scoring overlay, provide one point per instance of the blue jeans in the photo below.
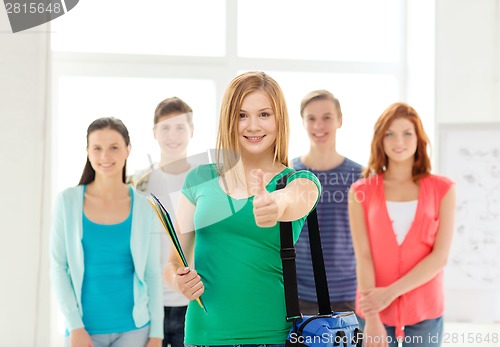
(427, 333)
(133, 338)
(239, 346)
(173, 326)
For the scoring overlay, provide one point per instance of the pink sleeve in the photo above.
(443, 185)
(361, 190)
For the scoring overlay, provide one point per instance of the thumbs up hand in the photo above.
(265, 207)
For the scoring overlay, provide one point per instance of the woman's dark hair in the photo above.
(112, 123)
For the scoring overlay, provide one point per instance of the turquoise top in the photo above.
(108, 280)
(67, 265)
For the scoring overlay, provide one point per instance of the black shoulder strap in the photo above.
(289, 268)
(322, 293)
(287, 254)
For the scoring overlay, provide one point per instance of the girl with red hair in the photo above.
(401, 219)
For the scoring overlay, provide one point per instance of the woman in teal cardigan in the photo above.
(104, 251)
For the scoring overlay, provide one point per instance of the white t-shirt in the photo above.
(167, 188)
(401, 214)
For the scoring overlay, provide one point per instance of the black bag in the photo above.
(327, 328)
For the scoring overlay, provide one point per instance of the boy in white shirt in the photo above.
(173, 129)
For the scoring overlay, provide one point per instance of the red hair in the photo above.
(378, 159)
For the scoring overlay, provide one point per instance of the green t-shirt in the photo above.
(240, 265)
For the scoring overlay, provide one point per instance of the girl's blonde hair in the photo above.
(227, 135)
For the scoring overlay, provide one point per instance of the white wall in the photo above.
(467, 61)
(467, 90)
(24, 299)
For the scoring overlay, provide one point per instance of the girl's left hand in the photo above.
(154, 342)
(265, 207)
(375, 300)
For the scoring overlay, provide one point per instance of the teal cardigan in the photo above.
(66, 261)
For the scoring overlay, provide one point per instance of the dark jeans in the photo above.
(311, 308)
(173, 326)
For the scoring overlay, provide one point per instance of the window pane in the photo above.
(143, 27)
(84, 99)
(362, 100)
(355, 30)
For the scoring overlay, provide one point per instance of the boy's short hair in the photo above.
(173, 105)
(320, 94)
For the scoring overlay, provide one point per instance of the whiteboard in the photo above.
(469, 154)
